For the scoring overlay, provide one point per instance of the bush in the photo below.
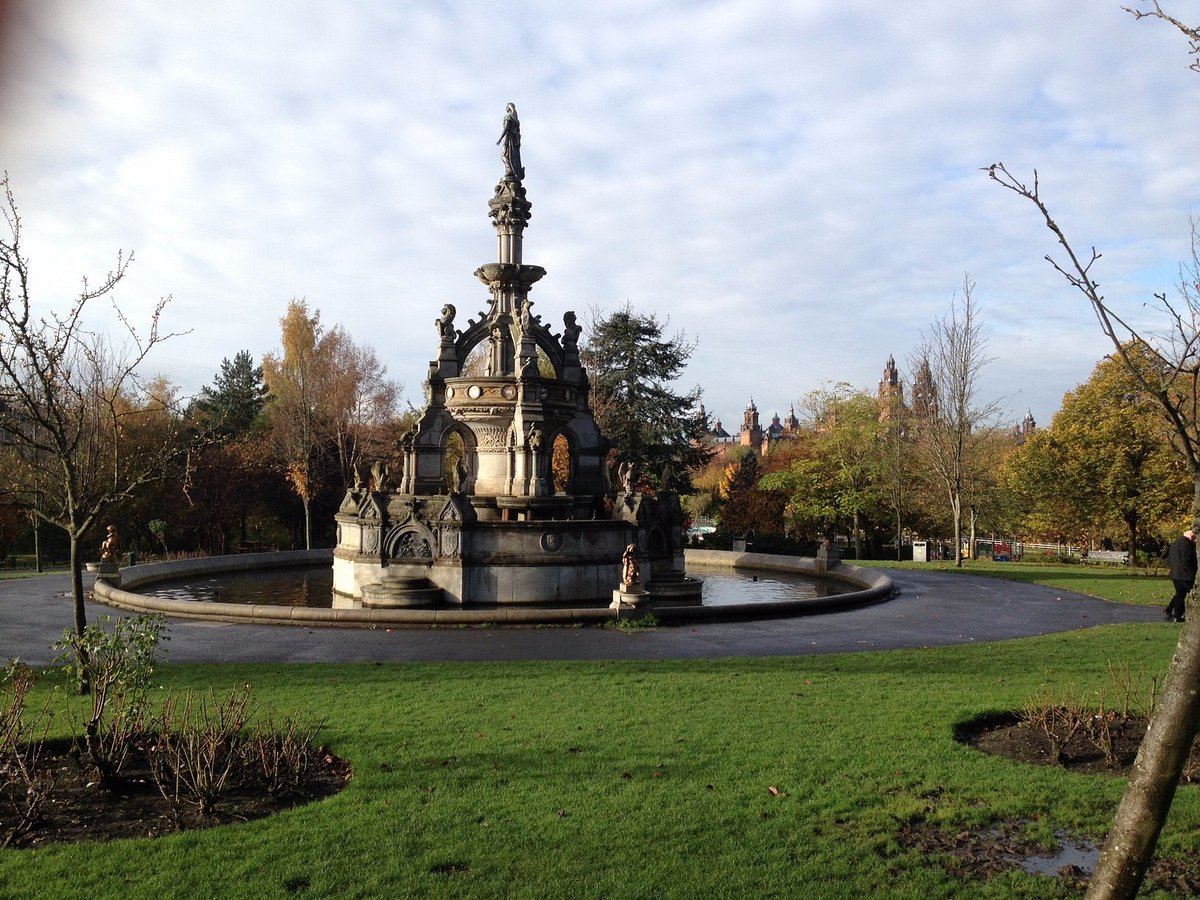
(25, 784)
(113, 668)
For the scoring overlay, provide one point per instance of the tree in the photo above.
(360, 400)
(1105, 467)
(633, 369)
(330, 405)
(838, 479)
(236, 399)
(1168, 369)
(297, 427)
(747, 505)
(75, 410)
(952, 357)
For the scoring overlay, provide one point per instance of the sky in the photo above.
(794, 185)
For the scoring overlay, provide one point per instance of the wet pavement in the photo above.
(929, 610)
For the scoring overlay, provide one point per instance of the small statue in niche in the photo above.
(111, 546)
(460, 476)
(510, 144)
(630, 570)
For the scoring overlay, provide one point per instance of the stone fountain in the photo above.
(474, 516)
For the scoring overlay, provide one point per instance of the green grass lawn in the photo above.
(1148, 587)
(635, 779)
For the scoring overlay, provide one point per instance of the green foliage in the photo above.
(115, 668)
(1105, 467)
(233, 404)
(646, 620)
(747, 505)
(633, 370)
(839, 478)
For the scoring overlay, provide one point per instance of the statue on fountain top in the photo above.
(510, 145)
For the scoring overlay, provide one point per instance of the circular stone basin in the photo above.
(312, 587)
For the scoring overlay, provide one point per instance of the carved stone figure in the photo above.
(628, 474)
(379, 475)
(460, 476)
(510, 144)
(571, 332)
(630, 571)
(111, 547)
(535, 437)
(445, 323)
(667, 480)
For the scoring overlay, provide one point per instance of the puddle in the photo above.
(1082, 854)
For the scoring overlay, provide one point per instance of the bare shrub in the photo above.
(197, 748)
(25, 784)
(279, 754)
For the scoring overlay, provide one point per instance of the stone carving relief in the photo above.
(411, 545)
(491, 437)
(370, 540)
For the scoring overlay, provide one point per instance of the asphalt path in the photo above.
(929, 610)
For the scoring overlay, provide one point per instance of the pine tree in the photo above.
(633, 371)
(236, 398)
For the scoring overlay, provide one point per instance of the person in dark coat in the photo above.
(1181, 557)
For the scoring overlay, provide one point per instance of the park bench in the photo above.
(1118, 557)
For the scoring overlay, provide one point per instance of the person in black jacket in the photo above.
(1181, 557)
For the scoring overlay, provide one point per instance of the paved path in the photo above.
(931, 610)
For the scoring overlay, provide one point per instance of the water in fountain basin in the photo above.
(313, 587)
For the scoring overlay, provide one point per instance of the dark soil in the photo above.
(1082, 752)
(79, 809)
(1005, 845)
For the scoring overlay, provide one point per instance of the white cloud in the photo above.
(794, 184)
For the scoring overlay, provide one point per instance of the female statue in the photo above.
(510, 144)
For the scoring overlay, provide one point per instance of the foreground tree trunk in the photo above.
(1161, 367)
(1140, 817)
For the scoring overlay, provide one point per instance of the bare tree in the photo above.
(1167, 367)
(1190, 32)
(362, 400)
(75, 409)
(948, 412)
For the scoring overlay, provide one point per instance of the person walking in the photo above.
(1181, 558)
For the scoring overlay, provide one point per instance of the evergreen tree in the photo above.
(633, 370)
(236, 398)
